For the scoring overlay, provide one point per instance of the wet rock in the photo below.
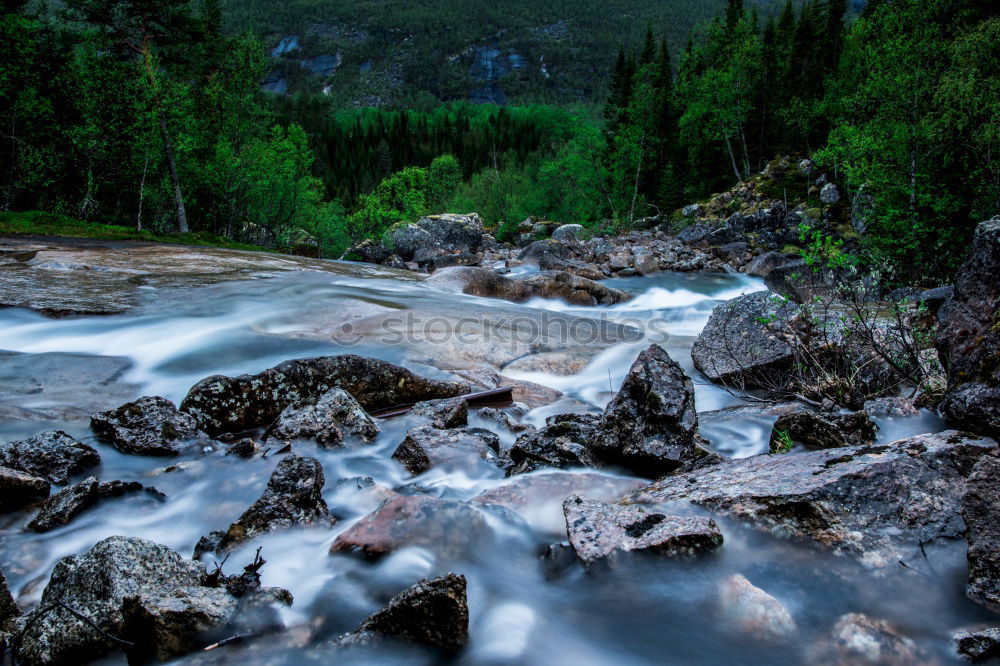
(549, 262)
(94, 585)
(549, 284)
(443, 526)
(563, 363)
(460, 259)
(150, 426)
(500, 419)
(651, 426)
(753, 610)
(876, 503)
(981, 511)
(564, 442)
(763, 264)
(52, 454)
(442, 414)
(334, 418)
(567, 232)
(433, 613)
(597, 530)
(8, 607)
(293, 498)
(978, 645)
(235, 404)
(65, 505)
(426, 447)
(890, 407)
(823, 431)
(18, 488)
(969, 337)
(113, 489)
(859, 639)
(245, 448)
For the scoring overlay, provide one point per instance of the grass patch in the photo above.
(52, 224)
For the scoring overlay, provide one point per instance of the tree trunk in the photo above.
(732, 159)
(142, 192)
(168, 150)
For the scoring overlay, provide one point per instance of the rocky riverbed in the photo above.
(192, 468)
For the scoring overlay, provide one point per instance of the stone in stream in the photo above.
(426, 447)
(969, 337)
(442, 414)
(8, 607)
(563, 443)
(879, 504)
(150, 426)
(823, 431)
(293, 498)
(433, 613)
(754, 611)
(65, 505)
(548, 261)
(858, 639)
(234, 404)
(560, 285)
(331, 420)
(18, 488)
(444, 526)
(598, 530)
(981, 510)
(51, 454)
(978, 645)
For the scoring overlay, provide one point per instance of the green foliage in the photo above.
(781, 442)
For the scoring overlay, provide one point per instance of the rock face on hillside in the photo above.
(969, 339)
(234, 404)
(877, 503)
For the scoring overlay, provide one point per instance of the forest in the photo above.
(152, 116)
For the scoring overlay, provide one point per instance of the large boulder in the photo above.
(18, 488)
(52, 454)
(763, 264)
(94, 585)
(969, 337)
(331, 420)
(876, 503)
(564, 442)
(426, 447)
(433, 613)
(567, 232)
(651, 426)
(233, 404)
(800, 282)
(442, 414)
(823, 431)
(550, 262)
(65, 505)
(598, 530)
(150, 426)
(557, 285)
(454, 233)
(981, 510)
(293, 498)
(978, 645)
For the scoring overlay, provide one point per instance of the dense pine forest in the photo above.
(152, 115)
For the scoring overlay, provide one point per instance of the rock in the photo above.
(454, 233)
(244, 448)
(500, 419)
(692, 210)
(150, 426)
(575, 290)
(739, 345)
(95, 586)
(460, 259)
(695, 233)
(597, 530)
(968, 339)
(336, 416)
(620, 261)
(807, 167)
(862, 207)
(52, 454)
(934, 299)
(798, 281)
(563, 443)
(549, 262)
(753, 610)
(981, 511)
(647, 264)
(651, 425)
(890, 407)
(293, 498)
(65, 505)
(444, 526)
(8, 607)
(876, 503)
(395, 261)
(763, 264)
(978, 645)
(442, 414)
(563, 363)
(18, 488)
(235, 404)
(567, 232)
(117, 488)
(410, 241)
(858, 639)
(823, 431)
(427, 447)
(433, 613)
(829, 195)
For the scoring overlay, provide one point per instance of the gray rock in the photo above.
(754, 611)
(293, 498)
(934, 299)
(981, 511)
(8, 607)
(150, 426)
(598, 530)
(564, 442)
(442, 414)
(647, 264)
(829, 194)
(454, 233)
(620, 261)
(234, 404)
(978, 645)
(567, 232)
(862, 207)
(799, 282)
(95, 586)
(823, 431)
(52, 454)
(331, 420)
(762, 265)
(859, 639)
(876, 503)
(65, 505)
(969, 337)
(426, 447)
(890, 407)
(550, 262)
(18, 488)
(433, 613)
(548, 284)
(692, 210)
(695, 233)
(807, 167)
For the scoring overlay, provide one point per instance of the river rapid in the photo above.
(523, 609)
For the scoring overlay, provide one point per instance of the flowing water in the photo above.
(523, 609)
